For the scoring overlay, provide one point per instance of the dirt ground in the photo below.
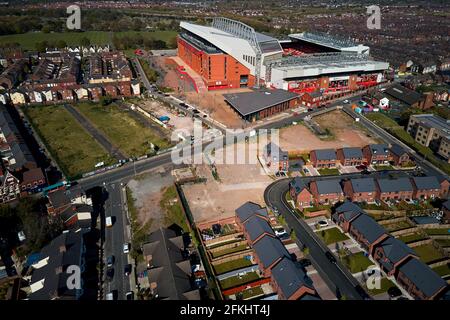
(147, 192)
(238, 184)
(346, 134)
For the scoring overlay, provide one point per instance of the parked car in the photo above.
(110, 273)
(305, 263)
(323, 223)
(305, 170)
(110, 261)
(127, 269)
(394, 292)
(346, 101)
(126, 248)
(310, 109)
(366, 172)
(129, 295)
(112, 295)
(330, 257)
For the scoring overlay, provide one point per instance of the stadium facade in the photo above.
(230, 54)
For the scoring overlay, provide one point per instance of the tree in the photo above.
(60, 44)
(85, 42)
(106, 100)
(41, 46)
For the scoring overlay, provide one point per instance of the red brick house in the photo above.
(268, 252)
(445, 185)
(96, 92)
(255, 228)
(291, 282)
(377, 154)
(312, 99)
(248, 210)
(394, 189)
(426, 187)
(350, 156)
(323, 158)
(124, 88)
(276, 158)
(399, 155)
(111, 90)
(391, 253)
(326, 191)
(32, 179)
(360, 190)
(300, 193)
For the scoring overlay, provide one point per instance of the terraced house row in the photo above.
(287, 279)
(368, 190)
(393, 256)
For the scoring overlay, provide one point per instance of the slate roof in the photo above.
(446, 204)
(298, 184)
(256, 226)
(379, 149)
(249, 209)
(169, 270)
(394, 251)
(368, 227)
(325, 154)
(397, 150)
(363, 185)
(393, 185)
(328, 186)
(269, 250)
(423, 277)
(349, 210)
(246, 103)
(352, 153)
(289, 277)
(403, 94)
(426, 183)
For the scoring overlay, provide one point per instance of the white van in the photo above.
(109, 222)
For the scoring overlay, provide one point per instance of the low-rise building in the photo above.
(248, 210)
(268, 252)
(326, 191)
(300, 193)
(350, 156)
(255, 228)
(394, 189)
(32, 180)
(324, 158)
(276, 158)
(377, 154)
(9, 187)
(391, 253)
(361, 190)
(399, 156)
(426, 187)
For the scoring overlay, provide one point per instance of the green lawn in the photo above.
(228, 251)
(427, 253)
(317, 208)
(412, 237)
(328, 171)
(442, 270)
(72, 147)
(237, 281)
(232, 265)
(131, 136)
(174, 212)
(252, 292)
(391, 227)
(385, 284)
(29, 40)
(332, 235)
(356, 262)
(437, 231)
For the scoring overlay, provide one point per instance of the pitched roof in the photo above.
(352, 153)
(325, 154)
(379, 149)
(249, 209)
(349, 210)
(394, 185)
(403, 94)
(328, 186)
(426, 183)
(423, 277)
(397, 150)
(289, 277)
(298, 184)
(269, 250)
(363, 185)
(394, 251)
(368, 227)
(257, 226)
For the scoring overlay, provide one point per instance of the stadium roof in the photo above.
(247, 103)
(324, 39)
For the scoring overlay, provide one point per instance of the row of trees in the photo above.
(138, 40)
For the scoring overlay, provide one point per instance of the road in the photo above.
(335, 275)
(95, 133)
(115, 237)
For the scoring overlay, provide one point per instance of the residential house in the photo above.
(377, 154)
(420, 281)
(50, 274)
(9, 186)
(312, 99)
(268, 252)
(324, 158)
(391, 253)
(326, 191)
(32, 180)
(409, 98)
(96, 92)
(350, 156)
(255, 228)
(394, 189)
(399, 156)
(445, 187)
(248, 210)
(360, 190)
(426, 187)
(300, 193)
(276, 158)
(290, 282)
(169, 272)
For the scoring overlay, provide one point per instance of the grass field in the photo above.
(357, 262)
(124, 131)
(427, 253)
(232, 265)
(332, 235)
(70, 145)
(174, 211)
(29, 40)
(223, 252)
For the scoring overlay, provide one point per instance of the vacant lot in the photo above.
(127, 133)
(72, 147)
(346, 133)
(29, 40)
